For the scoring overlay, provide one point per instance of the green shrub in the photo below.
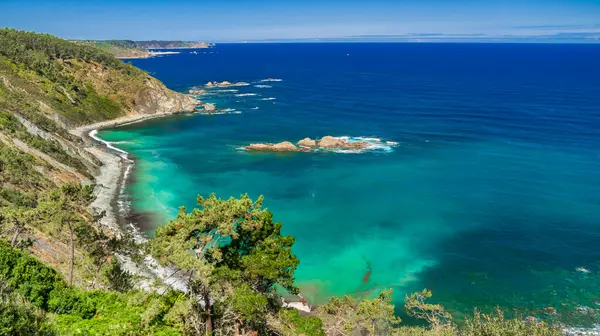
(29, 277)
(22, 319)
(65, 300)
(308, 326)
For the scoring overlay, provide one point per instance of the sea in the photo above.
(481, 181)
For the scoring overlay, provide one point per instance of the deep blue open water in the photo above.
(491, 197)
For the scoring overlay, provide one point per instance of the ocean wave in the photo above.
(246, 94)
(225, 111)
(94, 135)
(227, 91)
(269, 98)
(255, 108)
(272, 80)
(263, 86)
(374, 145)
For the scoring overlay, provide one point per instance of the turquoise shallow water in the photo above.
(491, 196)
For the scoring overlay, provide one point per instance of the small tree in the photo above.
(118, 279)
(229, 244)
(15, 222)
(343, 316)
(66, 207)
(434, 314)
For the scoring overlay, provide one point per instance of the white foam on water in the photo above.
(269, 98)
(272, 80)
(263, 86)
(255, 108)
(246, 94)
(228, 90)
(94, 135)
(374, 144)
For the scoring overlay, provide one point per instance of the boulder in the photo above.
(208, 107)
(196, 92)
(307, 142)
(210, 84)
(331, 142)
(285, 146)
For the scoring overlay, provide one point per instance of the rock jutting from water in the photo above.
(224, 84)
(306, 144)
(330, 142)
(209, 107)
(196, 92)
(284, 146)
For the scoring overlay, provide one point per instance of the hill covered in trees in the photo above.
(62, 271)
(141, 49)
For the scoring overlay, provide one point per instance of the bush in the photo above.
(22, 319)
(29, 277)
(71, 301)
(308, 326)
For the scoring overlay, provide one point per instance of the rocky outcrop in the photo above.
(209, 107)
(333, 143)
(307, 142)
(224, 84)
(285, 146)
(156, 98)
(197, 92)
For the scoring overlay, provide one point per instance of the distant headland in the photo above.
(128, 49)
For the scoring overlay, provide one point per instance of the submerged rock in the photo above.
(285, 146)
(307, 142)
(331, 143)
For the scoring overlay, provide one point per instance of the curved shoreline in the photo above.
(110, 184)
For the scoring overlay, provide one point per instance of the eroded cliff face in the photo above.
(136, 94)
(156, 98)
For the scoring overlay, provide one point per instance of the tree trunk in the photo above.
(18, 231)
(71, 255)
(207, 311)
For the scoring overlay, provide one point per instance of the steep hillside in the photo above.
(47, 87)
(74, 84)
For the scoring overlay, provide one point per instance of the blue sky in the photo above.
(239, 20)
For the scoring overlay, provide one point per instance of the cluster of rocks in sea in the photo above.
(306, 144)
(224, 84)
(196, 91)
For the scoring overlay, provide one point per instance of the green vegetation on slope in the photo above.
(79, 82)
(41, 302)
(232, 254)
